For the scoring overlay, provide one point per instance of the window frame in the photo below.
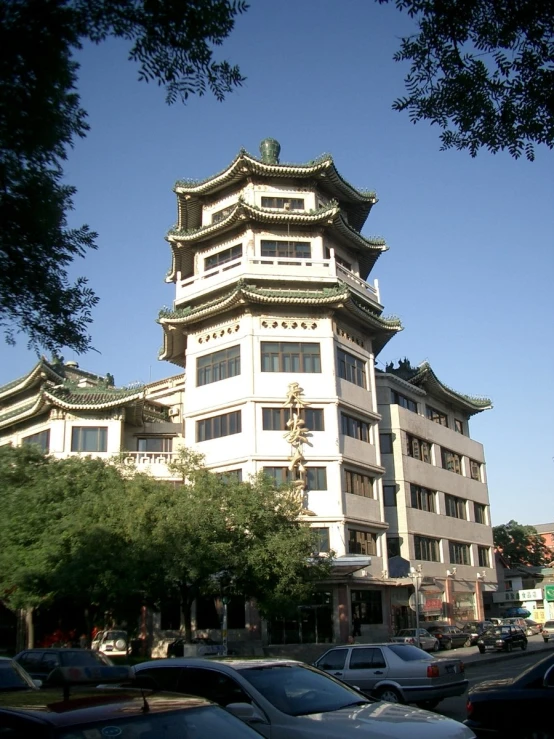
(474, 469)
(316, 476)
(388, 492)
(361, 428)
(427, 545)
(486, 560)
(455, 507)
(403, 401)
(224, 362)
(459, 547)
(233, 420)
(36, 440)
(77, 432)
(324, 546)
(167, 441)
(367, 605)
(283, 414)
(219, 215)
(363, 540)
(422, 497)
(285, 249)
(293, 203)
(459, 426)
(433, 414)
(358, 483)
(418, 448)
(351, 368)
(231, 253)
(452, 463)
(392, 549)
(482, 516)
(309, 362)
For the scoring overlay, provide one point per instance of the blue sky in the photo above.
(470, 268)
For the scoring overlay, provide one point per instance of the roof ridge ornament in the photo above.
(270, 150)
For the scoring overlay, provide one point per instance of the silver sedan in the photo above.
(426, 641)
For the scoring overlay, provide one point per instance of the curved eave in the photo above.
(42, 370)
(25, 412)
(115, 402)
(427, 378)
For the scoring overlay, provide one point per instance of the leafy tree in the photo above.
(172, 41)
(521, 544)
(483, 71)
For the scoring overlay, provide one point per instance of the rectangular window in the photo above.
(155, 444)
(484, 556)
(437, 416)
(358, 484)
(480, 513)
(219, 215)
(451, 461)
(279, 475)
(284, 356)
(222, 257)
(89, 439)
(389, 495)
(230, 475)
(402, 400)
(42, 440)
(427, 549)
(217, 426)
(418, 448)
(362, 542)
(393, 546)
(475, 470)
(218, 366)
(275, 419)
(386, 443)
(283, 203)
(455, 507)
(351, 368)
(323, 544)
(367, 606)
(316, 477)
(289, 249)
(458, 426)
(355, 428)
(459, 553)
(422, 498)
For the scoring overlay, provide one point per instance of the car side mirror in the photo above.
(548, 681)
(37, 683)
(246, 712)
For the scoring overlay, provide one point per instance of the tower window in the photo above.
(351, 368)
(283, 203)
(222, 257)
(289, 249)
(218, 366)
(284, 356)
(217, 426)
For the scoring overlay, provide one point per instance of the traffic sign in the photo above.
(412, 602)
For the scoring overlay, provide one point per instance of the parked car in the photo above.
(502, 638)
(449, 636)
(39, 663)
(114, 642)
(199, 647)
(521, 622)
(88, 711)
(14, 678)
(532, 627)
(285, 699)
(548, 630)
(398, 673)
(515, 707)
(474, 629)
(426, 641)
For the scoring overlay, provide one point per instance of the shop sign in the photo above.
(515, 596)
(432, 604)
(549, 592)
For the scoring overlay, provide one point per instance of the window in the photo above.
(437, 416)
(484, 556)
(219, 215)
(218, 426)
(89, 439)
(275, 419)
(289, 249)
(283, 203)
(458, 426)
(403, 401)
(459, 553)
(222, 257)
(230, 475)
(386, 443)
(451, 461)
(367, 658)
(351, 368)
(316, 477)
(455, 507)
(393, 546)
(418, 448)
(333, 660)
(367, 606)
(358, 484)
(323, 544)
(42, 440)
(284, 356)
(361, 542)
(422, 498)
(427, 549)
(480, 513)
(279, 475)
(475, 470)
(154, 444)
(355, 428)
(389, 495)
(218, 366)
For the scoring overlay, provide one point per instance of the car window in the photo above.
(333, 660)
(12, 677)
(406, 632)
(408, 653)
(49, 662)
(159, 678)
(366, 658)
(211, 684)
(30, 660)
(424, 632)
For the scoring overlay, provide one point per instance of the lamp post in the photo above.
(415, 576)
(480, 578)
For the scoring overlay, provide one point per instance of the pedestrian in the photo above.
(356, 626)
(83, 641)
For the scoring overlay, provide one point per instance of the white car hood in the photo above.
(387, 721)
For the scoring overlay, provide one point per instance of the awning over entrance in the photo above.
(347, 565)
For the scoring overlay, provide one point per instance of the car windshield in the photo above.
(13, 678)
(407, 632)
(113, 635)
(407, 653)
(82, 657)
(197, 722)
(499, 630)
(301, 690)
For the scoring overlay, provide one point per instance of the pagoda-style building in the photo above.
(278, 328)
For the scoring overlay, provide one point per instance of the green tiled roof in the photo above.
(41, 367)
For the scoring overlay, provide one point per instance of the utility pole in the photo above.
(415, 575)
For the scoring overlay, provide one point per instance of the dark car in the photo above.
(502, 638)
(13, 677)
(39, 663)
(474, 629)
(449, 636)
(515, 707)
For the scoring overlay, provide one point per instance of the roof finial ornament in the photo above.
(270, 150)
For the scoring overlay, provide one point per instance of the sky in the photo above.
(470, 270)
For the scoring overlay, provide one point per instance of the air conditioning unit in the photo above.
(174, 411)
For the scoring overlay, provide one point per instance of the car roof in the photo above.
(231, 662)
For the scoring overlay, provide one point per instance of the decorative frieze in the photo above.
(219, 333)
(289, 323)
(350, 336)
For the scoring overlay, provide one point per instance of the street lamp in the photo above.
(415, 576)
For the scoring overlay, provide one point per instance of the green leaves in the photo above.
(521, 544)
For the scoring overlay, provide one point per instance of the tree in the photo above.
(172, 41)
(483, 71)
(521, 544)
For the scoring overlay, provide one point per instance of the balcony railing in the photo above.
(280, 268)
(155, 462)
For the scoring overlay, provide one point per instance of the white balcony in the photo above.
(154, 463)
(279, 269)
